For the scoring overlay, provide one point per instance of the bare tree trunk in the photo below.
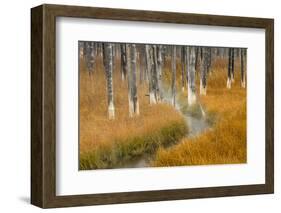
(108, 58)
(90, 58)
(158, 74)
(232, 65)
(123, 62)
(80, 46)
(203, 71)
(183, 64)
(155, 75)
(129, 73)
(229, 70)
(132, 80)
(104, 55)
(209, 59)
(142, 70)
(174, 70)
(84, 49)
(149, 61)
(187, 55)
(159, 71)
(197, 56)
(243, 76)
(191, 98)
(143, 67)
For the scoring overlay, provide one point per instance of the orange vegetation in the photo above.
(106, 143)
(225, 142)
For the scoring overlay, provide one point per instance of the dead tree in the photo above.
(197, 56)
(123, 62)
(143, 64)
(131, 54)
(209, 59)
(90, 57)
(84, 46)
(150, 65)
(232, 65)
(174, 70)
(108, 58)
(203, 70)
(155, 74)
(142, 67)
(154, 67)
(229, 70)
(191, 97)
(183, 64)
(81, 49)
(243, 69)
(158, 74)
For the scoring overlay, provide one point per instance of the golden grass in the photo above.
(107, 143)
(225, 142)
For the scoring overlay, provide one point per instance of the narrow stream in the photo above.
(196, 125)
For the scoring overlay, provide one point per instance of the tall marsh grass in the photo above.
(108, 143)
(225, 142)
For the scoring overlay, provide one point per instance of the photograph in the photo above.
(161, 105)
(145, 105)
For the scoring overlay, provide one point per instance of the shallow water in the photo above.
(197, 124)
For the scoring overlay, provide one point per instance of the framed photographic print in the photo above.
(136, 106)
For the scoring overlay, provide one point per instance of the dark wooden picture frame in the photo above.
(43, 105)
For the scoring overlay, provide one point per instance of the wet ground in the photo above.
(196, 123)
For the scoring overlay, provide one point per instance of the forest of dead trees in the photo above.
(145, 63)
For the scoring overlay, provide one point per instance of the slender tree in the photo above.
(150, 66)
(159, 71)
(198, 55)
(243, 76)
(132, 80)
(90, 57)
(123, 62)
(155, 74)
(109, 77)
(104, 55)
(174, 70)
(84, 53)
(158, 61)
(183, 64)
(191, 98)
(143, 67)
(232, 64)
(80, 46)
(229, 70)
(209, 59)
(203, 70)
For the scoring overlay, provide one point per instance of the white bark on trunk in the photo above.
(243, 76)
(148, 55)
(191, 97)
(109, 77)
(203, 71)
(229, 70)
(131, 58)
(174, 70)
(134, 93)
(129, 78)
(183, 63)
(160, 66)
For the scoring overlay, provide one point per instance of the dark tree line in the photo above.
(146, 63)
